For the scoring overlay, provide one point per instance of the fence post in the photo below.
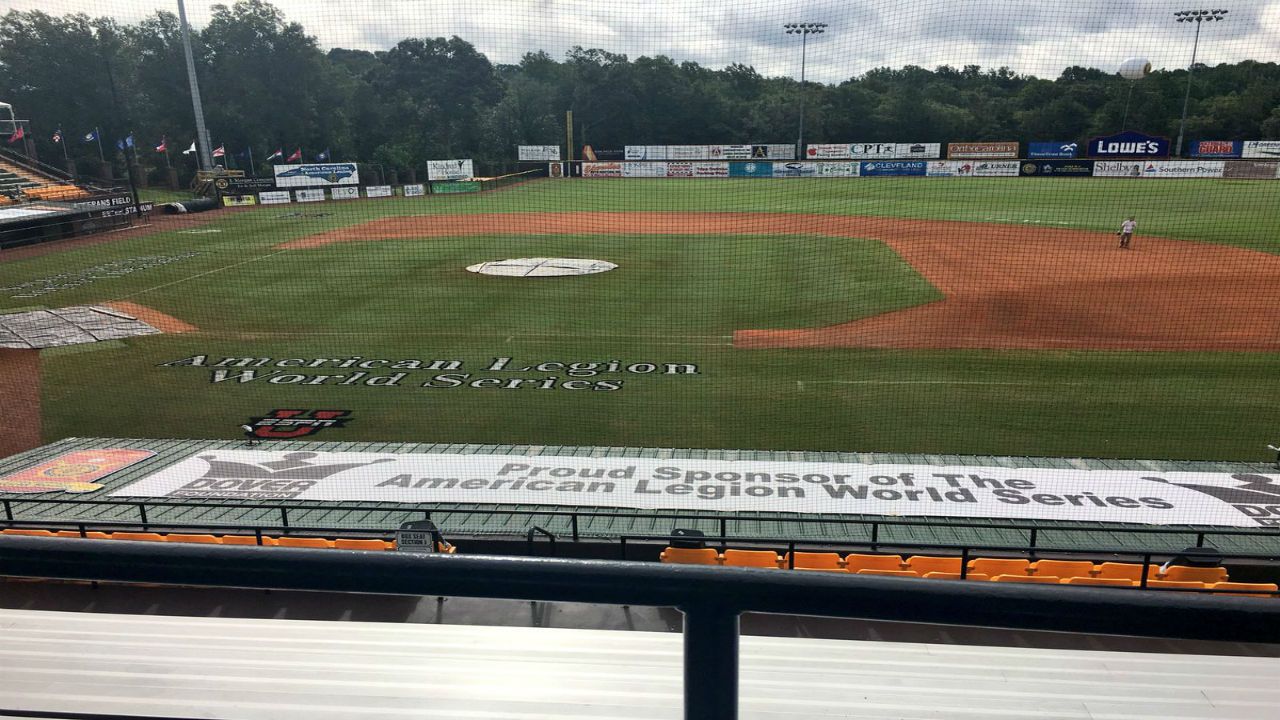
(875, 535)
(284, 516)
(573, 525)
(710, 662)
(8, 510)
(142, 514)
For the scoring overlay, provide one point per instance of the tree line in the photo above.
(267, 85)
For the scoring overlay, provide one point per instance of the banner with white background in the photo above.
(1109, 496)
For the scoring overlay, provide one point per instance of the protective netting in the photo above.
(1032, 229)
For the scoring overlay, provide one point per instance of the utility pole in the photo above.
(202, 133)
(1198, 17)
(804, 30)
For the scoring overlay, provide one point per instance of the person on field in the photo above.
(1126, 232)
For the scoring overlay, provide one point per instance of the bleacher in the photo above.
(25, 181)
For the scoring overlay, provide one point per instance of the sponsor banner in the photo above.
(73, 472)
(947, 168)
(982, 150)
(688, 152)
(1052, 150)
(922, 151)
(711, 169)
(314, 195)
(378, 191)
(1057, 168)
(773, 152)
(1117, 168)
(894, 167)
(450, 170)
(1217, 148)
(1183, 168)
(1261, 149)
(828, 150)
(794, 169)
(1251, 170)
(900, 490)
(1129, 144)
(275, 197)
(244, 185)
(455, 187)
(318, 175)
(995, 168)
(730, 152)
(345, 193)
(872, 151)
(679, 169)
(415, 190)
(644, 169)
(750, 169)
(645, 152)
(602, 169)
(556, 170)
(837, 169)
(240, 200)
(538, 153)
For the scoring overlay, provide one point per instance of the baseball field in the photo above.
(933, 315)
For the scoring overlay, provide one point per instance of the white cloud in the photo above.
(1032, 36)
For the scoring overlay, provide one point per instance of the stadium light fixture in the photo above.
(202, 133)
(1199, 17)
(804, 30)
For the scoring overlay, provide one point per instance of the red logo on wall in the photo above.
(72, 472)
(288, 424)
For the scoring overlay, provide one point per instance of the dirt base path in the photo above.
(166, 324)
(1006, 286)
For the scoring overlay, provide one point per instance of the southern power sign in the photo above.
(320, 175)
(1221, 499)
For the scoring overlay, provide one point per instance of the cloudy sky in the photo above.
(1039, 37)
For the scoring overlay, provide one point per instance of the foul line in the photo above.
(930, 382)
(207, 272)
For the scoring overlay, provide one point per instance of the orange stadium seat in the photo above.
(1195, 574)
(203, 539)
(936, 575)
(902, 573)
(353, 544)
(246, 540)
(1176, 584)
(1112, 582)
(144, 537)
(305, 542)
(999, 566)
(924, 564)
(86, 536)
(752, 558)
(1063, 568)
(690, 556)
(1124, 571)
(854, 562)
(815, 561)
(1045, 579)
(1248, 589)
(31, 533)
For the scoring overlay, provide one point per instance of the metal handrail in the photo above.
(711, 599)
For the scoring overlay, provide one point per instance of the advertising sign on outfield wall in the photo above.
(900, 490)
(415, 190)
(1057, 168)
(1261, 149)
(344, 193)
(538, 153)
(874, 151)
(1252, 170)
(1129, 143)
(450, 170)
(947, 168)
(315, 195)
(730, 152)
(995, 168)
(238, 200)
(641, 170)
(1183, 168)
(602, 169)
(679, 170)
(894, 167)
(838, 169)
(274, 197)
(794, 169)
(378, 191)
(318, 175)
(773, 152)
(1052, 150)
(921, 151)
(1117, 168)
(835, 151)
(982, 150)
(711, 169)
(1217, 148)
(688, 152)
(645, 152)
(750, 169)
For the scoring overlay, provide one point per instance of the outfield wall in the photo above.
(1136, 169)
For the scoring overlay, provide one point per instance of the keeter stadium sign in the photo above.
(1180, 498)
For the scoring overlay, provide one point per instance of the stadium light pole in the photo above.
(1199, 17)
(203, 152)
(804, 30)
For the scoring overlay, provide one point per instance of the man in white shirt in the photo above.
(1126, 232)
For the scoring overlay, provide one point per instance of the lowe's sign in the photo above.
(1129, 144)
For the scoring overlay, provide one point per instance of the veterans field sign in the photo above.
(1110, 496)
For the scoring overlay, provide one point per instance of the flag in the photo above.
(220, 151)
(57, 135)
(191, 149)
(243, 154)
(297, 155)
(17, 135)
(91, 136)
(275, 155)
(128, 141)
(163, 146)
(323, 156)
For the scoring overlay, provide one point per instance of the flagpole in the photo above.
(252, 171)
(98, 133)
(63, 142)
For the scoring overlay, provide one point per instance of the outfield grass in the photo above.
(674, 299)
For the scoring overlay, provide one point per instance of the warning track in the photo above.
(1005, 286)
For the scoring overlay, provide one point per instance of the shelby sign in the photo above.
(1110, 496)
(1129, 144)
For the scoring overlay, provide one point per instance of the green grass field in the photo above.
(675, 300)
